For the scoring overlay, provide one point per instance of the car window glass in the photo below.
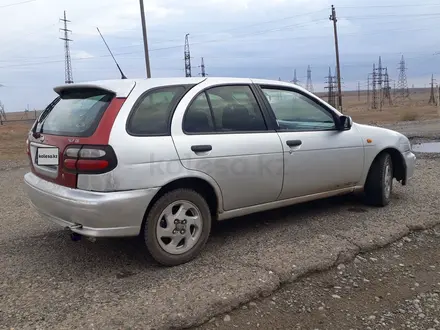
(151, 116)
(198, 117)
(294, 111)
(77, 112)
(235, 109)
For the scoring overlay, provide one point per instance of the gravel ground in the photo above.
(397, 287)
(48, 281)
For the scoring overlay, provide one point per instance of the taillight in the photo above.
(89, 159)
(27, 147)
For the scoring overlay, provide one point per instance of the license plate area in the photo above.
(47, 156)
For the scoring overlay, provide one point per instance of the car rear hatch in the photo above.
(71, 135)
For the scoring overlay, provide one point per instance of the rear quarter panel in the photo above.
(143, 162)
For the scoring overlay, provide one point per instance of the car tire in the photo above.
(163, 241)
(379, 183)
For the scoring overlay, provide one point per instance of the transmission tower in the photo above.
(187, 56)
(386, 88)
(68, 62)
(202, 68)
(432, 98)
(309, 85)
(295, 79)
(331, 88)
(373, 87)
(402, 83)
(368, 91)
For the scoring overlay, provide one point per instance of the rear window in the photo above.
(77, 112)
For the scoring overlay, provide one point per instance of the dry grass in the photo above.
(13, 135)
(13, 140)
(416, 108)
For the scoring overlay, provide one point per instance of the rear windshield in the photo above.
(77, 112)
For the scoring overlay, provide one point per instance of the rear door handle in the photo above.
(201, 148)
(293, 143)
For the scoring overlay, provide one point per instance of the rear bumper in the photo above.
(95, 214)
(410, 164)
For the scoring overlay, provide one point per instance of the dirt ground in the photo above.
(394, 288)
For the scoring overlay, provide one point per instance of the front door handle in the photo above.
(201, 148)
(293, 143)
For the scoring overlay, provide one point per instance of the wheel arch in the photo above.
(202, 186)
(399, 165)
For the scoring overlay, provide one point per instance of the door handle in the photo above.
(293, 143)
(201, 148)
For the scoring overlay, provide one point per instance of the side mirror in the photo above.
(345, 123)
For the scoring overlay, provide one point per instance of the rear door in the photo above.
(221, 130)
(78, 116)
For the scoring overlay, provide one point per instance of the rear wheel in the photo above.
(177, 227)
(379, 184)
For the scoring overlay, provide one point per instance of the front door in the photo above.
(224, 134)
(317, 156)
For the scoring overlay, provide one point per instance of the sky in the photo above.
(239, 38)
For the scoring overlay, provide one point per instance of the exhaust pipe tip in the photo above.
(75, 237)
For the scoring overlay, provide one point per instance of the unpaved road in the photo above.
(48, 281)
(397, 287)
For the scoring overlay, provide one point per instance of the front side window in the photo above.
(151, 115)
(295, 111)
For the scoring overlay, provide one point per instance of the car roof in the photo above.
(123, 87)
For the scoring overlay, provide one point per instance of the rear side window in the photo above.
(77, 112)
(225, 109)
(152, 113)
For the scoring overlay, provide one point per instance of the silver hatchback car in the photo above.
(163, 158)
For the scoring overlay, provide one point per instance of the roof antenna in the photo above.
(119, 68)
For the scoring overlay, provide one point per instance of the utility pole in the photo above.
(187, 57)
(438, 100)
(309, 84)
(338, 67)
(359, 90)
(144, 33)
(432, 98)
(68, 63)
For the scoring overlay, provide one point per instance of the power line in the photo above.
(17, 3)
(418, 5)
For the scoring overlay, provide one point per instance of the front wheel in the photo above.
(379, 184)
(177, 227)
